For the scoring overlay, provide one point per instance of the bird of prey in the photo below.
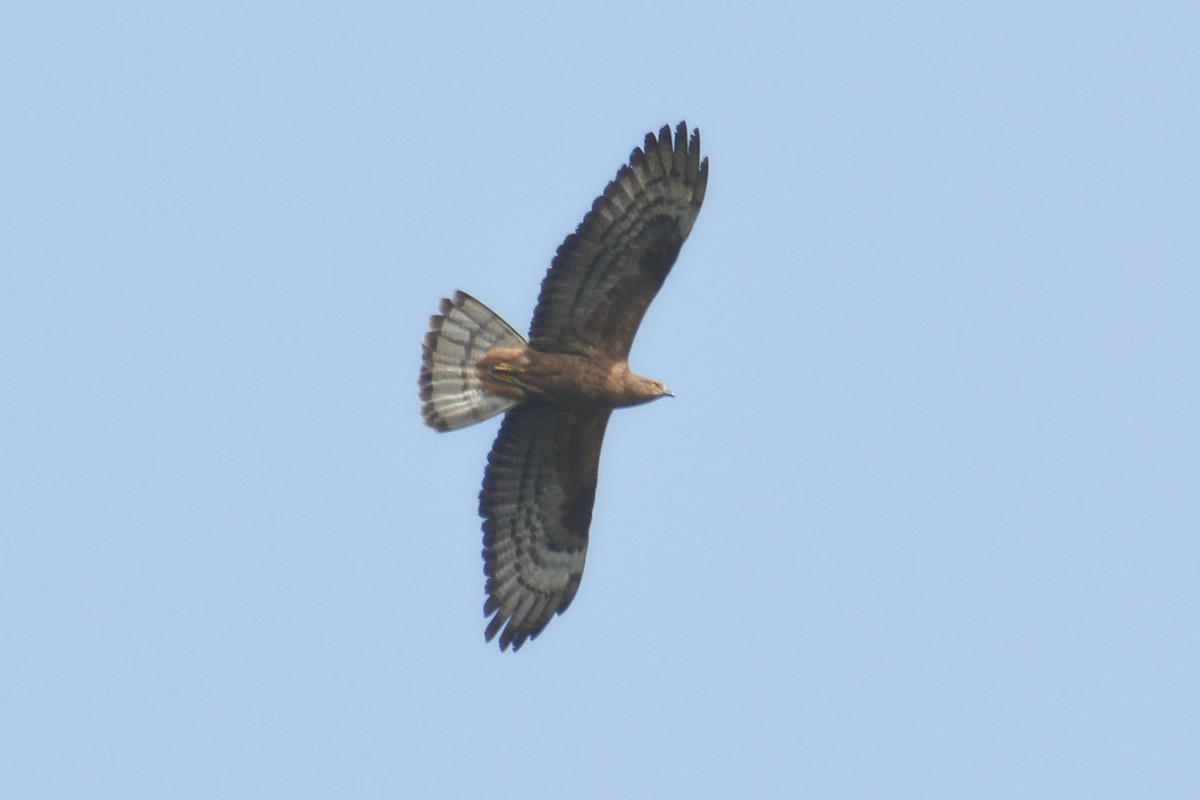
(558, 389)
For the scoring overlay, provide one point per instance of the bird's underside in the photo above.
(558, 389)
(523, 373)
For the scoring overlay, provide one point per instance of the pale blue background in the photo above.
(922, 522)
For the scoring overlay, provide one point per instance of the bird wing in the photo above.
(536, 503)
(606, 273)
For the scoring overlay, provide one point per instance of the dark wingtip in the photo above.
(492, 628)
(510, 637)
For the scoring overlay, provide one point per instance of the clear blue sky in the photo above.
(923, 521)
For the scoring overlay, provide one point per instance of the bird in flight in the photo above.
(558, 389)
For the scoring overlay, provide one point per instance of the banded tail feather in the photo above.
(464, 332)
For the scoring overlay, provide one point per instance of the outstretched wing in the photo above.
(606, 273)
(537, 505)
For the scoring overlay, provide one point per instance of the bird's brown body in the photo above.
(521, 373)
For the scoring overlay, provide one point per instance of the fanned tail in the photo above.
(464, 332)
